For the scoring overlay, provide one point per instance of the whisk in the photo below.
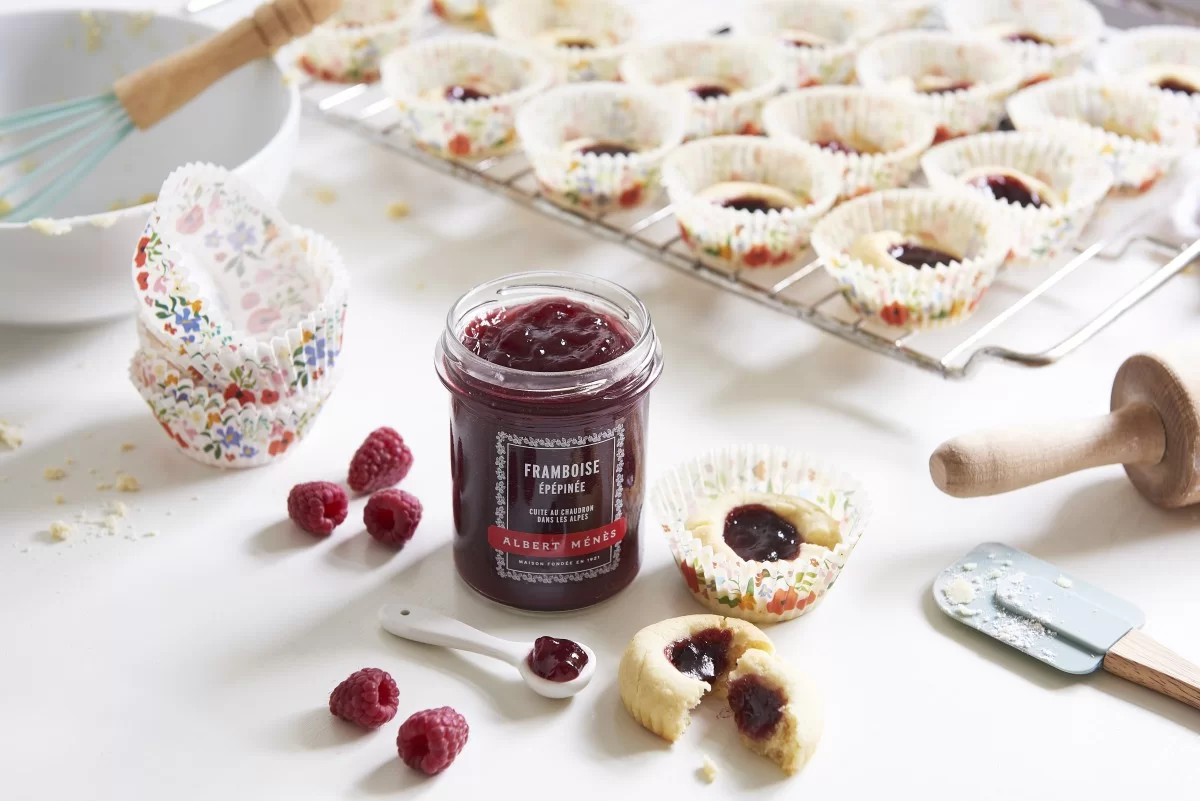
(91, 127)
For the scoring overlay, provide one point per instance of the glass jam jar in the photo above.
(549, 377)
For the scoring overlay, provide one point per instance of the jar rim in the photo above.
(631, 308)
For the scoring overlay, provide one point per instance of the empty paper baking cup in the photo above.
(1050, 38)
(215, 428)
(929, 297)
(766, 591)
(1140, 54)
(753, 70)
(1078, 180)
(899, 61)
(730, 239)
(225, 282)
(585, 38)
(1138, 130)
(348, 47)
(817, 39)
(417, 78)
(649, 120)
(891, 130)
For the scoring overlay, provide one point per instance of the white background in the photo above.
(197, 664)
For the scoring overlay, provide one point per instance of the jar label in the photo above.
(559, 506)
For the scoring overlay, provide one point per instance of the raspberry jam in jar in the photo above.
(549, 377)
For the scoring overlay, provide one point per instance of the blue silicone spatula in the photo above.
(1063, 621)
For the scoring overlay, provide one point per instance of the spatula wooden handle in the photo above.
(1143, 661)
(991, 462)
(157, 90)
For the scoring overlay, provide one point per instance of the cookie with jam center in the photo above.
(762, 527)
(599, 147)
(796, 37)
(1178, 78)
(752, 196)
(706, 87)
(897, 250)
(778, 711)
(1016, 187)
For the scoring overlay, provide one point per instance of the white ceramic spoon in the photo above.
(424, 625)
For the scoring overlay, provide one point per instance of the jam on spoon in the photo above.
(557, 660)
(704, 655)
(756, 533)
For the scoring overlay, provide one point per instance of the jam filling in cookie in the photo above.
(569, 38)
(1172, 84)
(756, 533)
(798, 38)
(750, 196)
(706, 87)
(941, 86)
(704, 655)
(757, 708)
(917, 256)
(896, 250)
(557, 660)
(1028, 37)
(461, 92)
(1010, 188)
(547, 336)
(598, 147)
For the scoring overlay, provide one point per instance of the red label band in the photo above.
(557, 546)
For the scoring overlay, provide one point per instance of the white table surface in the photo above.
(196, 664)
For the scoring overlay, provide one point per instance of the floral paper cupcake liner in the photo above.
(1070, 30)
(840, 24)
(893, 125)
(761, 592)
(649, 120)
(224, 280)
(753, 68)
(1139, 131)
(549, 26)
(217, 430)
(928, 297)
(732, 239)
(1130, 55)
(897, 61)
(348, 47)
(416, 77)
(1080, 181)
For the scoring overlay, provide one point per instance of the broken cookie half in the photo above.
(669, 666)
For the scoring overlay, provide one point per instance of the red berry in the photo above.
(391, 516)
(381, 461)
(368, 698)
(317, 506)
(430, 740)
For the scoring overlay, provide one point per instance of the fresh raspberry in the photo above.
(391, 516)
(368, 698)
(430, 740)
(317, 506)
(381, 461)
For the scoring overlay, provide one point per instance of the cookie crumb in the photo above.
(54, 474)
(126, 447)
(59, 530)
(959, 591)
(150, 534)
(11, 436)
(398, 210)
(93, 471)
(118, 509)
(110, 523)
(708, 769)
(127, 483)
(962, 610)
(325, 195)
(60, 500)
(103, 486)
(49, 227)
(1064, 582)
(969, 566)
(69, 460)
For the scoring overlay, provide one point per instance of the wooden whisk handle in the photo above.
(992, 462)
(157, 90)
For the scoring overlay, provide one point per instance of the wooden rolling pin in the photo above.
(1153, 430)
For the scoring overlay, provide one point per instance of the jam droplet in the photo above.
(577, 44)
(1026, 36)
(459, 92)
(1006, 187)
(607, 149)
(704, 655)
(918, 256)
(755, 533)
(557, 660)
(706, 91)
(750, 203)
(757, 709)
(953, 87)
(835, 146)
(547, 336)
(1176, 85)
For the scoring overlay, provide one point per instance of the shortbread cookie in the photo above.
(779, 713)
(669, 666)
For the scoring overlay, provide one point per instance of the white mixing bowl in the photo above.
(247, 122)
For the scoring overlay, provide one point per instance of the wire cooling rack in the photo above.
(997, 331)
